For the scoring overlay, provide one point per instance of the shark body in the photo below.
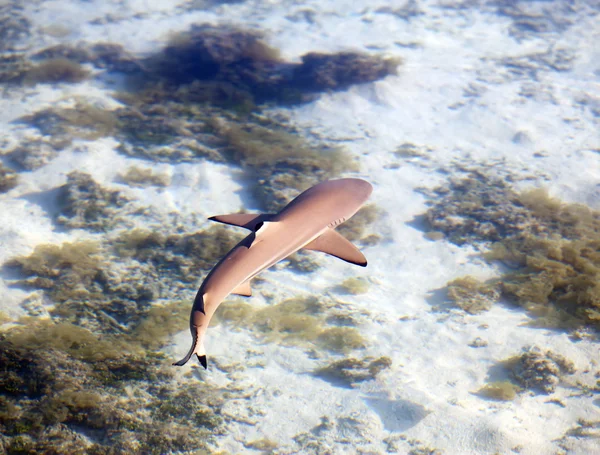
(307, 222)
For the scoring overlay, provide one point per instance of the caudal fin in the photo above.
(198, 349)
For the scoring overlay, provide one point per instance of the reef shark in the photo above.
(307, 222)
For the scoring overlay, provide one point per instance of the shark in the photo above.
(308, 222)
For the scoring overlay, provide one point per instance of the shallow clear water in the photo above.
(473, 328)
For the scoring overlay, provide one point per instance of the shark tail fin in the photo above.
(198, 349)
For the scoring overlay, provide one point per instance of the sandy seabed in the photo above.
(507, 88)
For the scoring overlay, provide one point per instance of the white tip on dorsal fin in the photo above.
(331, 242)
(243, 289)
(245, 220)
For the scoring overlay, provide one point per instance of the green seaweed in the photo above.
(472, 295)
(291, 321)
(179, 255)
(64, 271)
(81, 280)
(235, 314)
(33, 153)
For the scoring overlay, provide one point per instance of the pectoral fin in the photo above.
(245, 220)
(243, 289)
(331, 242)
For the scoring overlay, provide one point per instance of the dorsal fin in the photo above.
(245, 220)
(243, 289)
(331, 242)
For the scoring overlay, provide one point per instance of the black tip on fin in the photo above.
(202, 359)
(362, 264)
(182, 362)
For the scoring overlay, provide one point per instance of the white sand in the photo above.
(427, 395)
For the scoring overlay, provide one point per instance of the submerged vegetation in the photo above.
(141, 176)
(301, 321)
(85, 204)
(501, 390)
(92, 366)
(239, 63)
(200, 97)
(354, 286)
(351, 371)
(50, 394)
(532, 370)
(109, 288)
(88, 366)
(537, 370)
(55, 70)
(471, 295)
(8, 179)
(552, 249)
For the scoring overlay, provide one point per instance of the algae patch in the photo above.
(351, 371)
(354, 286)
(141, 176)
(471, 295)
(8, 179)
(48, 397)
(551, 248)
(537, 370)
(87, 205)
(293, 322)
(532, 370)
(501, 390)
(100, 375)
(53, 71)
